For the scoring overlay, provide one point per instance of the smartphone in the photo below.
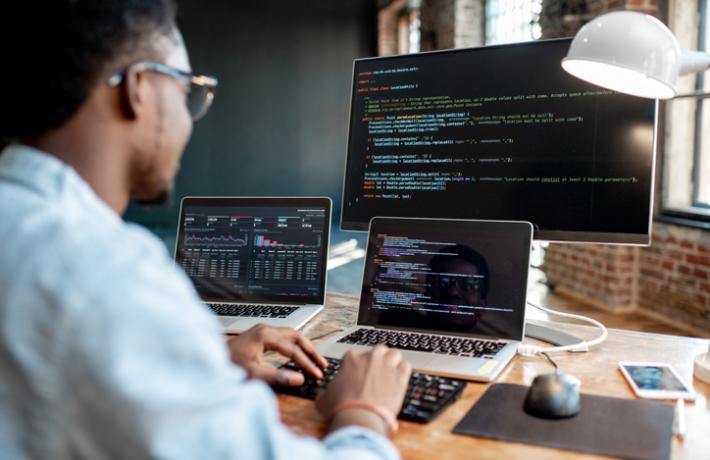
(655, 381)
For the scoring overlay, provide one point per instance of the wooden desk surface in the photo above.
(597, 370)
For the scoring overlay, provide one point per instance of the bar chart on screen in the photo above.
(260, 241)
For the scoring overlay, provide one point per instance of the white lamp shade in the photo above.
(629, 52)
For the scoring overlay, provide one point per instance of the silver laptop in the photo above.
(256, 260)
(449, 293)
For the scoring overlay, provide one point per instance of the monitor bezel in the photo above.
(555, 236)
(265, 201)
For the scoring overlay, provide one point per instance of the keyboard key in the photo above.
(426, 396)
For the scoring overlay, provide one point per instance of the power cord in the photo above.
(530, 350)
(552, 361)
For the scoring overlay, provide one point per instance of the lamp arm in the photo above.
(693, 62)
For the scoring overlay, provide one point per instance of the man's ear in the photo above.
(132, 99)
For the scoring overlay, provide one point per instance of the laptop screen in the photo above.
(448, 276)
(255, 249)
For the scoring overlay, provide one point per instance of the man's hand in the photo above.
(379, 376)
(247, 349)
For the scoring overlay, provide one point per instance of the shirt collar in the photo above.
(48, 176)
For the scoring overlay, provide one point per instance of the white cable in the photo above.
(529, 350)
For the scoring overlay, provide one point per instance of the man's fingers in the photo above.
(293, 345)
(278, 377)
(307, 346)
(292, 350)
(379, 350)
(405, 367)
(305, 363)
(393, 357)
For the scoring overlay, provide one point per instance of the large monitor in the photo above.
(499, 132)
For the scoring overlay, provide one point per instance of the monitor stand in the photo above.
(549, 335)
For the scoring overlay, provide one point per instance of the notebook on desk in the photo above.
(256, 260)
(449, 293)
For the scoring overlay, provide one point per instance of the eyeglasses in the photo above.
(463, 283)
(200, 89)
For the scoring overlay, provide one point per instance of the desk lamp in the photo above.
(636, 54)
(631, 53)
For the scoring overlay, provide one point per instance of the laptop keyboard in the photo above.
(458, 346)
(427, 395)
(252, 311)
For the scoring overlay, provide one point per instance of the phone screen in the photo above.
(658, 378)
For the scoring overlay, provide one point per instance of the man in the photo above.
(105, 349)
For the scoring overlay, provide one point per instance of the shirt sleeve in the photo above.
(147, 375)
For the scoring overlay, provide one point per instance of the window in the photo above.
(701, 160)
(408, 32)
(399, 27)
(686, 151)
(510, 21)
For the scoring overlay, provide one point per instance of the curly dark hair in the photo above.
(54, 51)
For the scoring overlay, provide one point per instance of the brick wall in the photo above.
(669, 280)
(596, 7)
(603, 275)
(387, 17)
(674, 276)
(437, 24)
(562, 18)
(444, 24)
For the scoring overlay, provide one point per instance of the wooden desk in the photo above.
(596, 369)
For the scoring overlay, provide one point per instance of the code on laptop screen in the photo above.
(466, 277)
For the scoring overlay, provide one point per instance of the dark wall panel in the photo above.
(279, 122)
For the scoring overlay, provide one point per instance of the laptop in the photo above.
(449, 293)
(256, 260)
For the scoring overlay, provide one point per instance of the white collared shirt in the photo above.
(105, 349)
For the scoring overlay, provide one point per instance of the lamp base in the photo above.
(549, 335)
(702, 367)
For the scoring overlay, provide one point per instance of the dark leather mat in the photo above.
(617, 427)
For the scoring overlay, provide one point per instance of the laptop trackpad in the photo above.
(418, 360)
(461, 365)
(226, 321)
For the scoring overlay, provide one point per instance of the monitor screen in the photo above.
(447, 276)
(255, 249)
(499, 132)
